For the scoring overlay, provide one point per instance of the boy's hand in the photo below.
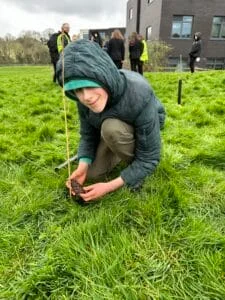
(95, 191)
(100, 189)
(79, 175)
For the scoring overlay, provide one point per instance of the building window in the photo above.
(130, 13)
(148, 33)
(218, 28)
(215, 63)
(173, 62)
(182, 27)
(178, 63)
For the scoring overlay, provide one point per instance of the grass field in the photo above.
(165, 242)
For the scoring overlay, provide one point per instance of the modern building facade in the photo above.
(176, 21)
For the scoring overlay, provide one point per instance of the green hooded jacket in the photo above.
(131, 99)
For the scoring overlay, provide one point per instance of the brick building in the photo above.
(176, 21)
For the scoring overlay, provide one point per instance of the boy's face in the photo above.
(94, 98)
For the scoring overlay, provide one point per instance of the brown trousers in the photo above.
(117, 144)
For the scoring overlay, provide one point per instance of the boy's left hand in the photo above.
(95, 191)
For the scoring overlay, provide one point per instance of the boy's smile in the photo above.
(94, 98)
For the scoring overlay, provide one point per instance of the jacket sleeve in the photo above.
(122, 50)
(147, 147)
(196, 49)
(89, 136)
(161, 112)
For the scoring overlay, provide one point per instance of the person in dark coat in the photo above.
(136, 48)
(56, 43)
(120, 119)
(53, 51)
(96, 37)
(116, 48)
(195, 51)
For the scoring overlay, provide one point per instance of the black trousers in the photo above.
(136, 65)
(192, 63)
(54, 68)
(54, 60)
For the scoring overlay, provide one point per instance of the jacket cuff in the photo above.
(86, 160)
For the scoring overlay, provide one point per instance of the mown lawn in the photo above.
(165, 242)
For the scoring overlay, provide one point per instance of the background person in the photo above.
(53, 51)
(144, 55)
(96, 37)
(64, 38)
(195, 51)
(116, 49)
(55, 45)
(135, 50)
(120, 119)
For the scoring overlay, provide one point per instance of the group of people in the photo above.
(138, 52)
(115, 47)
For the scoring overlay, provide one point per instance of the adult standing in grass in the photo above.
(135, 51)
(56, 43)
(144, 55)
(195, 51)
(116, 48)
(120, 119)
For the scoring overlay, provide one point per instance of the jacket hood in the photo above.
(84, 59)
(198, 35)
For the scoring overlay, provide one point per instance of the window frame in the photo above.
(215, 63)
(182, 22)
(130, 14)
(221, 28)
(147, 28)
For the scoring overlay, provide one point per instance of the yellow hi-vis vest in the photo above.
(60, 40)
(144, 55)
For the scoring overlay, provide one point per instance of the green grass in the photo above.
(165, 242)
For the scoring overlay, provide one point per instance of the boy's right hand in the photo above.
(79, 175)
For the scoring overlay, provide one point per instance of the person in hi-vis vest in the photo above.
(144, 54)
(64, 37)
